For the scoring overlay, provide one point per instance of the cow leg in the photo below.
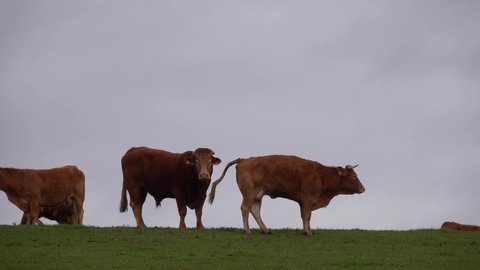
(28, 218)
(198, 213)
(137, 212)
(34, 214)
(137, 198)
(246, 206)
(76, 216)
(182, 211)
(78, 211)
(24, 219)
(306, 215)
(255, 210)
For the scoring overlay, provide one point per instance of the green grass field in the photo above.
(76, 247)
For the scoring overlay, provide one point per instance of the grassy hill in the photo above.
(76, 247)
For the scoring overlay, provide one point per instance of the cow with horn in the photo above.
(309, 183)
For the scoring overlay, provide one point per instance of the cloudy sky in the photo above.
(390, 85)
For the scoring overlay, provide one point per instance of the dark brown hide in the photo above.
(459, 227)
(162, 174)
(307, 182)
(34, 191)
(62, 213)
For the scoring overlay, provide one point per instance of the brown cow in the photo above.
(459, 227)
(307, 182)
(162, 174)
(33, 191)
(62, 213)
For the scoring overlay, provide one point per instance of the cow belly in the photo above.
(159, 190)
(276, 193)
(160, 196)
(55, 197)
(317, 203)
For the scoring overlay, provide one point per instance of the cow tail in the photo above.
(211, 196)
(123, 200)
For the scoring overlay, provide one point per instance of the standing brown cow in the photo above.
(162, 174)
(34, 190)
(307, 182)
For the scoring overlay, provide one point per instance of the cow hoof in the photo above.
(267, 232)
(308, 233)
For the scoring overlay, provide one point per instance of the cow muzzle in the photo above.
(203, 176)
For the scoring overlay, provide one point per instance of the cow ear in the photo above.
(216, 161)
(189, 160)
(341, 172)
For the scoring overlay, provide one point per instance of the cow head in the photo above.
(203, 160)
(350, 182)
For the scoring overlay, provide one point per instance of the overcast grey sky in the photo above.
(390, 85)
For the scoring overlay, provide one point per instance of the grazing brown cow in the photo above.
(307, 182)
(162, 174)
(36, 191)
(62, 213)
(459, 227)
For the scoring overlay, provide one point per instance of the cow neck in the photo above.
(341, 189)
(337, 188)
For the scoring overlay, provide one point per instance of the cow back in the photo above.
(159, 172)
(277, 175)
(49, 187)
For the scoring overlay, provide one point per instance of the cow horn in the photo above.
(351, 167)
